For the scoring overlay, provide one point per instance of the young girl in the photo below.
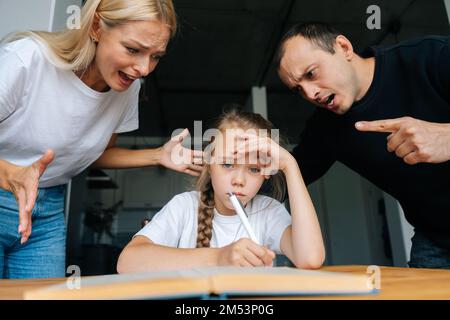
(201, 228)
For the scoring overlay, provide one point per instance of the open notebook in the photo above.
(203, 283)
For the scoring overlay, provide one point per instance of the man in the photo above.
(384, 114)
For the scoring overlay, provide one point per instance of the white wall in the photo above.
(400, 231)
(257, 101)
(18, 15)
(407, 232)
(447, 7)
(46, 15)
(346, 205)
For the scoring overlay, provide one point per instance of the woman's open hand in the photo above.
(23, 182)
(176, 157)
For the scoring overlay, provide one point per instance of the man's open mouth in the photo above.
(330, 100)
(327, 102)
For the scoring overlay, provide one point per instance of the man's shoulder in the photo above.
(419, 43)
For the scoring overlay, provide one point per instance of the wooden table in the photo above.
(403, 283)
(396, 283)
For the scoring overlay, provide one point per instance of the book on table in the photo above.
(208, 282)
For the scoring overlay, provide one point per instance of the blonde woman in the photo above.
(64, 97)
(201, 227)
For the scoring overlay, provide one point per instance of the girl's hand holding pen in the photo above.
(245, 253)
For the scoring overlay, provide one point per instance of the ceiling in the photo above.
(224, 47)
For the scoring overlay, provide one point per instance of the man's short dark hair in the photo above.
(320, 34)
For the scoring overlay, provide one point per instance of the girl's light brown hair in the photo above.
(233, 118)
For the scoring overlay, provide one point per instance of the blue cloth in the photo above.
(426, 254)
(44, 254)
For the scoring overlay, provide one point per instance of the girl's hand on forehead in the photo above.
(265, 152)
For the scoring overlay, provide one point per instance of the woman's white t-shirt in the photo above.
(175, 225)
(43, 107)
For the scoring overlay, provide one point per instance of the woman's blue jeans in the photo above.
(44, 254)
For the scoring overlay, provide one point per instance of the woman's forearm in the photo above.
(120, 158)
(152, 257)
(306, 237)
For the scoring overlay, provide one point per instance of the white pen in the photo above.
(241, 213)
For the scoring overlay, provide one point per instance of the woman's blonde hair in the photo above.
(73, 49)
(233, 118)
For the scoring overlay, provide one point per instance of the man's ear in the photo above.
(345, 46)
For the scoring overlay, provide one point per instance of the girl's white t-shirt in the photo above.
(175, 225)
(43, 107)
